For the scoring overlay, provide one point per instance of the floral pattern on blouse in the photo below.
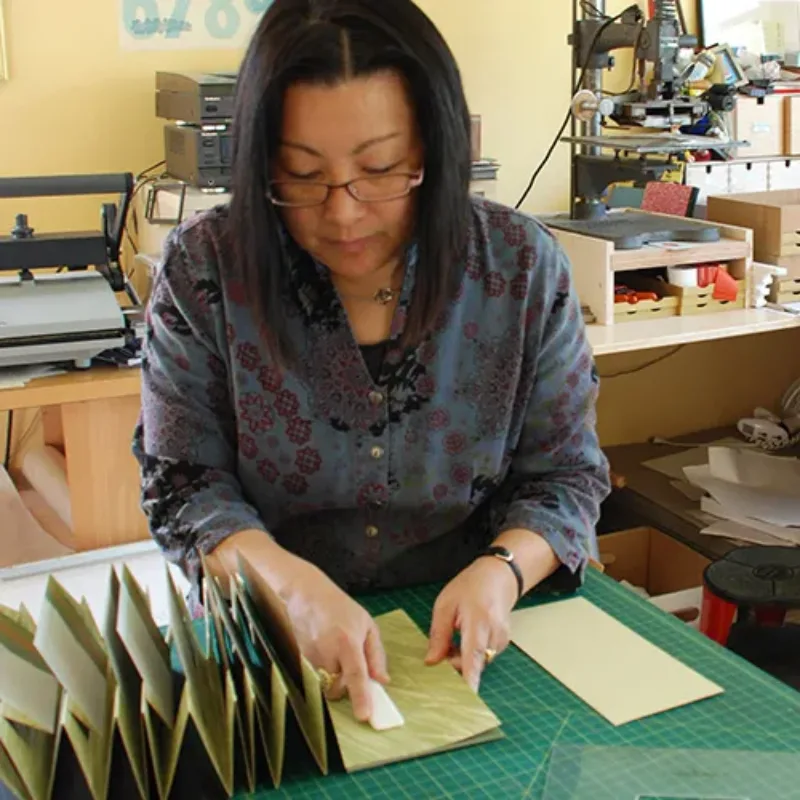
(488, 424)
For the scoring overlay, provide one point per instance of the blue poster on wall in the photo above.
(188, 24)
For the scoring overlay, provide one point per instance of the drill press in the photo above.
(656, 102)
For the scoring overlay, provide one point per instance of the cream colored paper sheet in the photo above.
(617, 672)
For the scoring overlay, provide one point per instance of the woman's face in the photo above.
(359, 128)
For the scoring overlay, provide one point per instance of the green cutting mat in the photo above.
(756, 712)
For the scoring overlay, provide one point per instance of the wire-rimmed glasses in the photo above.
(369, 189)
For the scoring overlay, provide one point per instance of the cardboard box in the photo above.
(476, 144)
(669, 572)
(774, 218)
(761, 124)
(791, 125)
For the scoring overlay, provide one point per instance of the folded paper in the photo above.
(125, 710)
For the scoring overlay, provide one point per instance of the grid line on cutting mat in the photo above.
(755, 713)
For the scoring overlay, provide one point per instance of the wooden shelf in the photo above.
(98, 383)
(626, 337)
(705, 253)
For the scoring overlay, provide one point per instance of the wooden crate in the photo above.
(646, 309)
(774, 218)
(785, 291)
(694, 300)
(596, 264)
(792, 266)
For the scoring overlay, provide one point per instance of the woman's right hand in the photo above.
(334, 632)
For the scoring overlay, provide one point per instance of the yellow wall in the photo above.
(77, 103)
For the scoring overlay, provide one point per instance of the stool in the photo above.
(761, 580)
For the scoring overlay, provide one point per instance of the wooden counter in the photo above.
(99, 383)
(90, 417)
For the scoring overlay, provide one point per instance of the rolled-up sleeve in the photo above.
(185, 439)
(559, 475)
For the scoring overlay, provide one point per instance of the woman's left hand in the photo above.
(477, 603)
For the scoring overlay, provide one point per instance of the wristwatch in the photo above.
(504, 554)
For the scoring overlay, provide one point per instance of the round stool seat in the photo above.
(757, 576)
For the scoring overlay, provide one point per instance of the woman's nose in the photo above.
(341, 207)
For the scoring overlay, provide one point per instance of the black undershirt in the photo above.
(373, 355)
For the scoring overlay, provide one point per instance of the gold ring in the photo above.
(326, 680)
(490, 654)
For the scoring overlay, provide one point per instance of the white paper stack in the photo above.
(754, 495)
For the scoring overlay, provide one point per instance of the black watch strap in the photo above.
(504, 554)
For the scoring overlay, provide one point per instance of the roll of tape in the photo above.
(682, 276)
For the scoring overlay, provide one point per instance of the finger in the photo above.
(474, 642)
(376, 656)
(454, 659)
(441, 634)
(355, 677)
(500, 638)
(335, 690)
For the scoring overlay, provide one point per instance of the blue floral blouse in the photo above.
(382, 478)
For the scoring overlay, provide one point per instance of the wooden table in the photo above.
(649, 498)
(90, 416)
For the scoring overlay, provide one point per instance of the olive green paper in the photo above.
(440, 709)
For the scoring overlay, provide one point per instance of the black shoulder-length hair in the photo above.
(326, 41)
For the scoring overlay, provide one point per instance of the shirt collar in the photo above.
(313, 290)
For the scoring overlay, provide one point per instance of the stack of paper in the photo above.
(94, 713)
(756, 496)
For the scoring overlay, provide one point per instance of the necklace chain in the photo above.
(382, 296)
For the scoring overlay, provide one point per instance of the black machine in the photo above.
(197, 143)
(658, 105)
(66, 311)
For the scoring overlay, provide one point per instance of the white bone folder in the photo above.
(385, 714)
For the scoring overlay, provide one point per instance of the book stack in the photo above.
(122, 710)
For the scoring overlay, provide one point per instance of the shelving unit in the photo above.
(632, 336)
(596, 263)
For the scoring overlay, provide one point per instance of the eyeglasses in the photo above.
(376, 189)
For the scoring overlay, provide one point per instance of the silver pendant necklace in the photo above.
(385, 295)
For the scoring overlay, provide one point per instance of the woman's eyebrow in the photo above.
(356, 151)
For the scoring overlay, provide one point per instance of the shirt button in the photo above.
(376, 398)
(376, 452)
(371, 531)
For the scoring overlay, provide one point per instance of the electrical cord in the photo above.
(9, 435)
(578, 83)
(145, 172)
(141, 183)
(635, 64)
(21, 440)
(142, 179)
(590, 8)
(646, 365)
(790, 403)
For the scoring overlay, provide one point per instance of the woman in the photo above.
(357, 375)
